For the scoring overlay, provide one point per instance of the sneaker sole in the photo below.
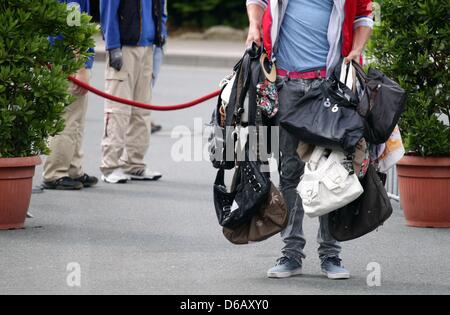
(122, 181)
(340, 276)
(284, 275)
(153, 179)
(90, 185)
(62, 188)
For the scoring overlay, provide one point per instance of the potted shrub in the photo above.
(33, 90)
(412, 46)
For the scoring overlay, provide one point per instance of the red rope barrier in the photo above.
(142, 105)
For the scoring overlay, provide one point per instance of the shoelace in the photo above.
(282, 261)
(334, 260)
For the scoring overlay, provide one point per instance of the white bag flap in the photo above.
(309, 191)
(336, 177)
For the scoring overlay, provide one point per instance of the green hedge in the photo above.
(412, 46)
(206, 13)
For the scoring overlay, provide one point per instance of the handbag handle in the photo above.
(316, 156)
(360, 72)
(347, 75)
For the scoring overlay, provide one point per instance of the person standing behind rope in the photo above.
(63, 168)
(131, 28)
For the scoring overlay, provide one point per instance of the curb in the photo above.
(189, 60)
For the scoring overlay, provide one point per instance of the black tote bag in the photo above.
(382, 104)
(365, 214)
(326, 116)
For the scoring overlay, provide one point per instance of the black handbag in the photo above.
(248, 74)
(248, 194)
(382, 104)
(365, 214)
(326, 116)
(218, 142)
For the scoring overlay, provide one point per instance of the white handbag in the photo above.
(327, 185)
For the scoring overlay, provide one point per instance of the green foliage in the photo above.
(33, 73)
(412, 46)
(205, 13)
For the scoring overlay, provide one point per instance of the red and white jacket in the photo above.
(346, 16)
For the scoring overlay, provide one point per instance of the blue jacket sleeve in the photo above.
(109, 17)
(84, 7)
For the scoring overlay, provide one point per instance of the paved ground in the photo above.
(204, 53)
(163, 238)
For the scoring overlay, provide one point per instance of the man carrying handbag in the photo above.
(308, 39)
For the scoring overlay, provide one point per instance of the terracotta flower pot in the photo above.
(16, 181)
(425, 191)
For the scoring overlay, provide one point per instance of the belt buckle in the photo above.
(319, 74)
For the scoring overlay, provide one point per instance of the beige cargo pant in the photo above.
(127, 129)
(66, 155)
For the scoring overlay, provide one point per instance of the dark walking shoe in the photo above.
(333, 269)
(156, 128)
(65, 183)
(87, 181)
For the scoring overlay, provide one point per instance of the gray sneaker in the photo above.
(285, 268)
(333, 269)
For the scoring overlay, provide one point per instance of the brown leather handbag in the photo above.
(269, 221)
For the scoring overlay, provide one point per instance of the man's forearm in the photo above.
(361, 37)
(255, 15)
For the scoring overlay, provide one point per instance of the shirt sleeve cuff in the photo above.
(363, 21)
(261, 3)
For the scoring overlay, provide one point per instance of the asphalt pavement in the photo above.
(163, 237)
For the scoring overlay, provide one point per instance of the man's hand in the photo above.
(355, 55)
(360, 38)
(254, 36)
(255, 16)
(82, 75)
(116, 59)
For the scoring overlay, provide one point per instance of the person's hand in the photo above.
(82, 75)
(116, 59)
(355, 55)
(254, 36)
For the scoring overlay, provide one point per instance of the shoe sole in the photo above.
(122, 181)
(340, 276)
(62, 188)
(153, 179)
(284, 275)
(90, 185)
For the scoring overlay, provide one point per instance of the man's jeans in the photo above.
(291, 170)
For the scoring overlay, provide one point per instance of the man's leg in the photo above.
(76, 171)
(117, 116)
(291, 168)
(328, 246)
(139, 129)
(63, 148)
(329, 252)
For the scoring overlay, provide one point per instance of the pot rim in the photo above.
(410, 160)
(20, 161)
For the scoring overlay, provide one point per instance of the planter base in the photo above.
(429, 225)
(425, 191)
(16, 180)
